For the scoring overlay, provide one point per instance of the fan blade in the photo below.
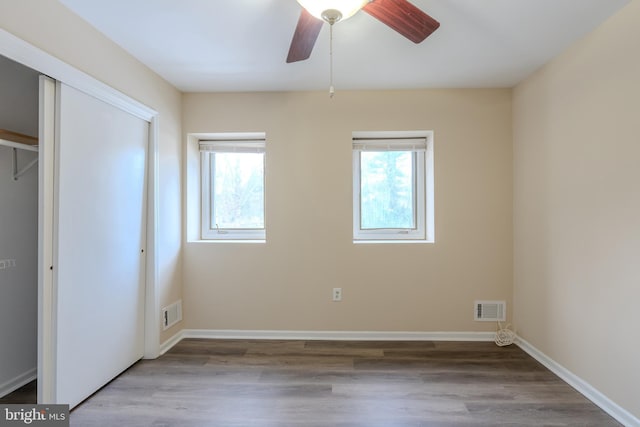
(403, 17)
(305, 36)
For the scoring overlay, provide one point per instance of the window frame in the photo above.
(423, 189)
(238, 143)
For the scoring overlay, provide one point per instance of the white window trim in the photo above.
(235, 142)
(424, 186)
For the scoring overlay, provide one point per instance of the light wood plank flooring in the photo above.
(337, 383)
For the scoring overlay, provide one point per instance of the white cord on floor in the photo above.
(504, 336)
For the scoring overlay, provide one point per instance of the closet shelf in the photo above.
(18, 140)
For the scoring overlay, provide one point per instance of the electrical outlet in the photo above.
(337, 294)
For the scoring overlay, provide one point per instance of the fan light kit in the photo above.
(333, 10)
(400, 15)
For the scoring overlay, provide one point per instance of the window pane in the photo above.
(238, 190)
(386, 190)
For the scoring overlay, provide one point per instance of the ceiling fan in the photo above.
(400, 15)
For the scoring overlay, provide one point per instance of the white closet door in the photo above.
(99, 259)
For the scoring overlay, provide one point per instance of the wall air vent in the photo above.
(490, 311)
(171, 314)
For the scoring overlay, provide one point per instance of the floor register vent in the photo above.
(171, 314)
(490, 311)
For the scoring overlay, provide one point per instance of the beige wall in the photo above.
(577, 209)
(286, 283)
(51, 27)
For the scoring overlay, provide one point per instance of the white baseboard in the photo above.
(587, 390)
(166, 346)
(337, 335)
(17, 382)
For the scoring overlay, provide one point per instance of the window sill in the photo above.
(359, 242)
(228, 241)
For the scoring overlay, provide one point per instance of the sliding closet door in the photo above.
(99, 243)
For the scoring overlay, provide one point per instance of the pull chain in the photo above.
(331, 89)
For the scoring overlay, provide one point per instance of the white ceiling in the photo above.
(241, 45)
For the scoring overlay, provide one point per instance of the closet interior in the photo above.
(18, 225)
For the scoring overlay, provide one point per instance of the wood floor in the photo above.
(338, 383)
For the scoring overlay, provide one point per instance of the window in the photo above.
(233, 188)
(393, 186)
